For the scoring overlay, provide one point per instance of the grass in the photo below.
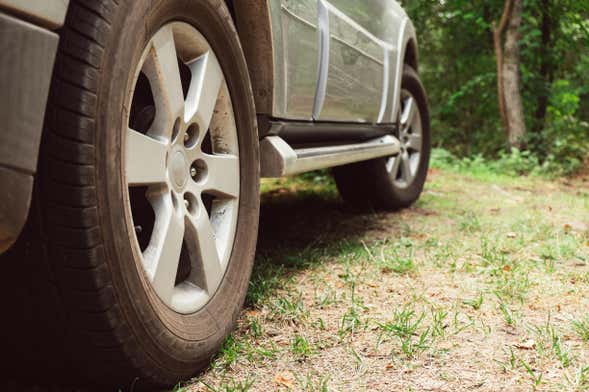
(581, 327)
(482, 285)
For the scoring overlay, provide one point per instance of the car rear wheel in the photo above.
(394, 183)
(143, 241)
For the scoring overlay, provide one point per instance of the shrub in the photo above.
(564, 143)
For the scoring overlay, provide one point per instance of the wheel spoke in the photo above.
(223, 175)
(145, 159)
(205, 85)
(191, 181)
(162, 257)
(414, 142)
(162, 70)
(408, 112)
(393, 165)
(405, 167)
(208, 262)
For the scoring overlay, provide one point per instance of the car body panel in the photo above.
(344, 56)
(46, 13)
(356, 71)
(26, 64)
(296, 50)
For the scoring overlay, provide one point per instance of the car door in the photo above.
(335, 60)
(296, 57)
(363, 49)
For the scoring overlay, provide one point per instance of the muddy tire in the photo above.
(396, 182)
(104, 299)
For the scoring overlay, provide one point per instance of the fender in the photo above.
(407, 54)
(254, 26)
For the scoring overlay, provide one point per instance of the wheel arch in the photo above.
(406, 55)
(411, 57)
(254, 26)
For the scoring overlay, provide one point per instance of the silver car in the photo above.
(134, 136)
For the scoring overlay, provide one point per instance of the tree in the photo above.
(459, 67)
(508, 72)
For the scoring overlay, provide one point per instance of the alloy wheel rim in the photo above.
(181, 167)
(403, 168)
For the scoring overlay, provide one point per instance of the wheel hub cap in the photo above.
(182, 168)
(403, 168)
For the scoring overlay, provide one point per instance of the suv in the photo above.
(134, 136)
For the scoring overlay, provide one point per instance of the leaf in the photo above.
(252, 313)
(284, 380)
(528, 344)
(506, 268)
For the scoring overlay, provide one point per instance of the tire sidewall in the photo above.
(175, 343)
(404, 197)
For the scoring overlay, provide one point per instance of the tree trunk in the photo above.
(498, 43)
(511, 78)
(546, 66)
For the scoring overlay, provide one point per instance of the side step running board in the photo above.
(278, 159)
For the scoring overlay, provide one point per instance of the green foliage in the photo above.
(404, 326)
(513, 163)
(566, 158)
(475, 303)
(301, 347)
(458, 68)
(565, 141)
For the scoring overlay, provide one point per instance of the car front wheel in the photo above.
(148, 195)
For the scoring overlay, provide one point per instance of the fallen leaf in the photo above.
(511, 235)
(528, 344)
(567, 228)
(580, 227)
(283, 380)
(389, 366)
(506, 268)
(445, 346)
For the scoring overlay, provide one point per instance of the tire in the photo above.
(86, 311)
(371, 184)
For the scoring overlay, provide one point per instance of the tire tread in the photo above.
(83, 291)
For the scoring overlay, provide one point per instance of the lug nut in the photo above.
(193, 172)
(187, 203)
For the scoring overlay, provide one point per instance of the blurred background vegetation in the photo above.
(458, 68)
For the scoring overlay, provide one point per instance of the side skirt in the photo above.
(292, 148)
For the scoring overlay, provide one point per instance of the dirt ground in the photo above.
(481, 286)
